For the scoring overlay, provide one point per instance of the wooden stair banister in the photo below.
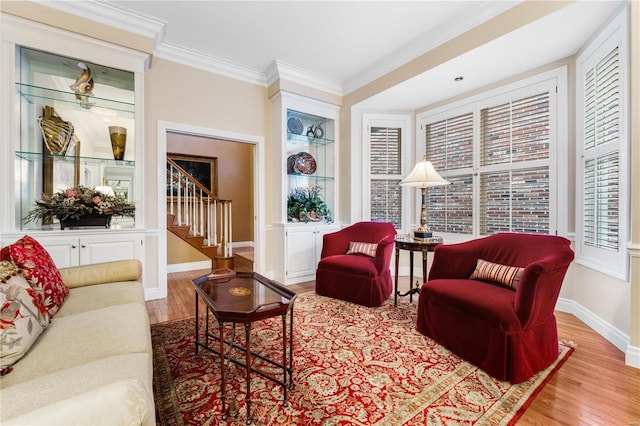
(198, 216)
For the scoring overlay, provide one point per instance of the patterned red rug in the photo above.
(352, 366)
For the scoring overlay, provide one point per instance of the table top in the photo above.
(408, 242)
(243, 296)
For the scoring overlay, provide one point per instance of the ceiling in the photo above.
(346, 44)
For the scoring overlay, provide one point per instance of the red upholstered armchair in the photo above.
(357, 277)
(510, 334)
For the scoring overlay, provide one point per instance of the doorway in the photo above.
(234, 181)
(170, 134)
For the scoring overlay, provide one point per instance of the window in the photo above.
(449, 146)
(386, 196)
(497, 151)
(601, 147)
(385, 154)
(514, 194)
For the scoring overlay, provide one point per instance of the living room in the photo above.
(182, 95)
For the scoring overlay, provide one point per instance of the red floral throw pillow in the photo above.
(41, 273)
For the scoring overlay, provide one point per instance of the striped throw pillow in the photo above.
(508, 276)
(368, 249)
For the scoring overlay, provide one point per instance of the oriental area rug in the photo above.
(352, 365)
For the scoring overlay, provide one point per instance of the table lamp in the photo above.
(424, 176)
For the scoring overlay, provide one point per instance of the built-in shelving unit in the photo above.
(305, 131)
(42, 74)
(45, 83)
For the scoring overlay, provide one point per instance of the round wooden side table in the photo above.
(424, 245)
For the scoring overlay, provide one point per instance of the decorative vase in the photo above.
(101, 220)
(118, 141)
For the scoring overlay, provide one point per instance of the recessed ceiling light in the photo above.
(460, 78)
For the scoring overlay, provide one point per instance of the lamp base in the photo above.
(422, 234)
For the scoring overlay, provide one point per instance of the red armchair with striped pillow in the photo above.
(354, 264)
(491, 301)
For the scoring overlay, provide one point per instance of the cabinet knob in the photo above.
(83, 245)
(74, 246)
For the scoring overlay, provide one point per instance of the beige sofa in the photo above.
(93, 364)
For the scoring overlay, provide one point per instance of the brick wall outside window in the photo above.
(513, 194)
(386, 168)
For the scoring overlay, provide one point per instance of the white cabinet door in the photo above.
(303, 249)
(65, 251)
(301, 252)
(109, 248)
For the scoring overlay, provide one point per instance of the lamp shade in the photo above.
(424, 175)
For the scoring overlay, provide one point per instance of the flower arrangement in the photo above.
(78, 201)
(306, 205)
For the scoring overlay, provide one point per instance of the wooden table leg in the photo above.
(425, 253)
(284, 357)
(395, 289)
(291, 350)
(410, 275)
(197, 328)
(247, 330)
(222, 371)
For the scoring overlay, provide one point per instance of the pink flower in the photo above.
(70, 193)
(96, 199)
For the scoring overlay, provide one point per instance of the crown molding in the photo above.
(122, 18)
(118, 17)
(36, 35)
(209, 63)
(283, 71)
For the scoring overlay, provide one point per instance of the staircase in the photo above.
(198, 217)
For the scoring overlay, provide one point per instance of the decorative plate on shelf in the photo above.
(291, 165)
(305, 163)
(295, 126)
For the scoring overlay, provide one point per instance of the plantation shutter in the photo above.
(386, 169)
(514, 182)
(601, 160)
(449, 147)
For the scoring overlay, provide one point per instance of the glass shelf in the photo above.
(30, 93)
(39, 156)
(304, 178)
(295, 140)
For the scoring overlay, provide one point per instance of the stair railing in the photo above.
(195, 206)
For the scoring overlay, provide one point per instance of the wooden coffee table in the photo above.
(244, 297)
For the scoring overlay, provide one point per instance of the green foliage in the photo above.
(78, 201)
(306, 205)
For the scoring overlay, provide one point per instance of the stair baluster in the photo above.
(197, 216)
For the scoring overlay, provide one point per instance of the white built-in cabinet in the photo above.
(38, 64)
(303, 247)
(82, 249)
(305, 141)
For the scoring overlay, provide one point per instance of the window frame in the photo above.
(403, 122)
(614, 34)
(556, 81)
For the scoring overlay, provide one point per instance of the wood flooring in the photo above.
(593, 387)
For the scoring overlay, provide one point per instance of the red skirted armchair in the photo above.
(354, 264)
(501, 318)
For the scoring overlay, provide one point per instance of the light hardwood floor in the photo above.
(593, 387)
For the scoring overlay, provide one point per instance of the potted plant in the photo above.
(306, 205)
(80, 206)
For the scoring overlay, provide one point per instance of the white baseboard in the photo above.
(237, 244)
(632, 356)
(189, 266)
(153, 294)
(619, 339)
